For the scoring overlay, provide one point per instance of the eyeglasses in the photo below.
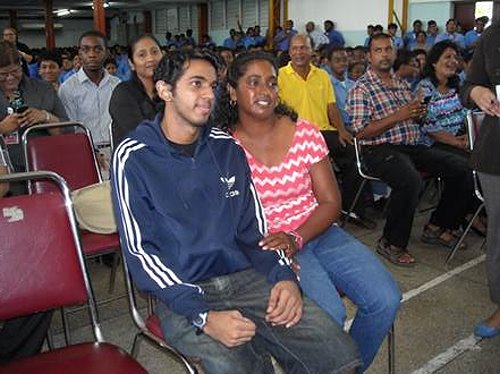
(13, 72)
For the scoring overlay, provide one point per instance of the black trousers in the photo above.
(345, 159)
(400, 166)
(24, 336)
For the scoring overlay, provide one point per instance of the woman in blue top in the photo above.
(444, 123)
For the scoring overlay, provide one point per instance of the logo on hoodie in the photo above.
(229, 183)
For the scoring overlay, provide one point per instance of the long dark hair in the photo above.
(225, 114)
(432, 58)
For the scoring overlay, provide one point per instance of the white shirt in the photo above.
(318, 38)
(88, 103)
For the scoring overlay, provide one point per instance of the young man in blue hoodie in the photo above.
(191, 222)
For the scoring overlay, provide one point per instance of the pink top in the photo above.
(285, 190)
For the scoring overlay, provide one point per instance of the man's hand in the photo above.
(345, 137)
(485, 100)
(414, 110)
(285, 304)
(229, 327)
(9, 124)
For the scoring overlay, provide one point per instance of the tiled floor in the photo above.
(433, 329)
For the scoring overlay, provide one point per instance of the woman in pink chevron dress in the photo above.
(291, 171)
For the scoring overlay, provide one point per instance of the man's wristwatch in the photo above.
(199, 322)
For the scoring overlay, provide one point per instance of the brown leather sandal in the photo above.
(396, 255)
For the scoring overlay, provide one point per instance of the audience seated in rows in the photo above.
(386, 119)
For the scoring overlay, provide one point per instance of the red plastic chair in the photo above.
(42, 267)
(72, 156)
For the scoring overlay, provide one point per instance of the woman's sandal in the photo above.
(395, 255)
(434, 236)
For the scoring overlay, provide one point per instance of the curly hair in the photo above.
(225, 114)
(433, 57)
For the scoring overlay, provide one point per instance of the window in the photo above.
(484, 8)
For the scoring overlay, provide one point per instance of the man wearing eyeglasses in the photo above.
(10, 35)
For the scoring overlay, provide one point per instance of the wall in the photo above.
(350, 17)
(65, 37)
(439, 11)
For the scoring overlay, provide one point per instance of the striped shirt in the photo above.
(285, 190)
(372, 100)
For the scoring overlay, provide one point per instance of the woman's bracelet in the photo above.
(299, 240)
(47, 116)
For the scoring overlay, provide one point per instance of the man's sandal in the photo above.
(396, 255)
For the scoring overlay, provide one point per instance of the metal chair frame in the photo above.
(80, 128)
(473, 121)
(144, 331)
(67, 206)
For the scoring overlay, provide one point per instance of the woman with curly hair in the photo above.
(292, 173)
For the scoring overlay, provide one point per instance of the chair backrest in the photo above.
(70, 155)
(359, 161)
(474, 122)
(41, 260)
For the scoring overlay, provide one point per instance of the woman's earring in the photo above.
(233, 103)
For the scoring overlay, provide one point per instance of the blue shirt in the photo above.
(471, 37)
(341, 89)
(282, 39)
(336, 38)
(88, 103)
(457, 38)
(430, 39)
(398, 42)
(230, 43)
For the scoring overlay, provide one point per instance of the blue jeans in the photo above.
(337, 261)
(316, 344)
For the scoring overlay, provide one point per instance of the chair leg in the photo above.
(354, 202)
(114, 268)
(65, 324)
(462, 237)
(50, 339)
(391, 350)
(136, 345)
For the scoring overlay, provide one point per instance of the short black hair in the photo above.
(378, 37)
(332, 50)
(95, 34)
(392, 26)
(173, 65)
(51, 56)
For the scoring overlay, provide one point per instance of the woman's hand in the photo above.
(486, 101)
(279, 241)
(32, 116)
(9, 124)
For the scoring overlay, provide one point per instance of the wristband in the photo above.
(47, 116)
(299, 240)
